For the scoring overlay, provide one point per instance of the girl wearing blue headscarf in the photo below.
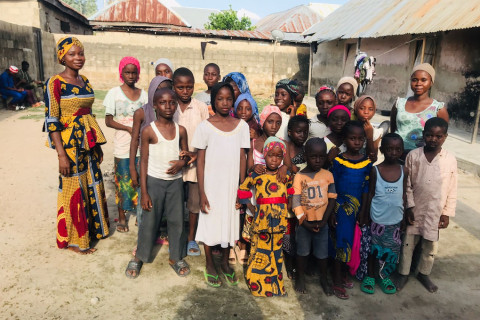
(245, 108)
(238, 82)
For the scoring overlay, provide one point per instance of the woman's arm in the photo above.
(63, 161)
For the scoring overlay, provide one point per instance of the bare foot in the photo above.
(77, 250)
(213, 277)
(326, 286)
(401, 281)
(300, 284)
(427, 283)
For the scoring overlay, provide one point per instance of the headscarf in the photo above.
(325, 87)
(361, 99)
(215, 89)
(351, 81)
(253, 103)
(267, 111)
(64, 44)
(427, 67)
(292, 87)
(239, 79)
(128, 60)
(339, 107)
(13, 69)
(164, 61)
(273, 142)
(148, 108)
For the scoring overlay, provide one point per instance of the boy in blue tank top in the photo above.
(387, 185)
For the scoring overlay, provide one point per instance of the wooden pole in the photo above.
(475, 124)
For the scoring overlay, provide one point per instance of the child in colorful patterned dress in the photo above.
(264, 272)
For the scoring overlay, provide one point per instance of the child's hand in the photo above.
(237, 205)
(253, 134)
(191, 155)
(64, 165)
(251, 207)
(333, 153)
(368, 129)
(134, 176)
(282, 174)
(177, 165)
(291, 111)
(204, 204)
(409, 216)
(362, 220)
(444, 221)
(259, 169)
(129, 130)
(146, 202)
(332, 221)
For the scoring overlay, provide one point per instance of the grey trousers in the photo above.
(429, 251)
(167, 199)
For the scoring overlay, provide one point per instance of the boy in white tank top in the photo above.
(164, 153)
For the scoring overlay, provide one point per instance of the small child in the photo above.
(164, 67)
(120, 104)
(286, 91)
(190, 113)
(351, 172)
(325, 100)
(365, 108)
(347, 92)
(387, 183)
(313, 202)
(211, 76)
(162, 185)
(246, 109)
(221, 141)
(300, 108)
(431, 193)
(264, 272)
(337, 117)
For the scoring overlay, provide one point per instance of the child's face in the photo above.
(325, 101)
(165, 105)
(392, 149)
(183, 87)
(354, 139)
(244, 110)
(337, 120)
(274, 158)
(236, 91)
(434, 138)
(164, 71)
(224, 101)
(272, 124)
(345, 93)
(211, 76)
(366, 111)
(130, 74)
(298, 100)
(299, 133)
(282, 99)
(420, 82)
(316, 157)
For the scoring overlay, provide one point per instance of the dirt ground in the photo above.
(39, 281)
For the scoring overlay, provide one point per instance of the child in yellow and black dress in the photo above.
(264, 272)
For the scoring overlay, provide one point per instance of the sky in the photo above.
(255, 9)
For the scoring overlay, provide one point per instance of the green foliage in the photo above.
(228, 20)
(85, 7)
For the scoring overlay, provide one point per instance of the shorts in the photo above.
(193, 198)
(306, 238)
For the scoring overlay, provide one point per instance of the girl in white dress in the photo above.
(221, 164)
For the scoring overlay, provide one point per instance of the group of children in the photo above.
(275, 185)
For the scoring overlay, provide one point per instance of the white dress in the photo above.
(221, 224)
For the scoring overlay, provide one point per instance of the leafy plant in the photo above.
(228, 20)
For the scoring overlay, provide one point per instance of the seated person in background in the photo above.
(33, 88)
(8, 90)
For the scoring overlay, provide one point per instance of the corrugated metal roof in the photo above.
(374, 18)
(296, 19)
(196, 17)
(138, 12)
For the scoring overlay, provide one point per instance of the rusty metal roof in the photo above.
(374, 18)
(139, 12)
(297, 19)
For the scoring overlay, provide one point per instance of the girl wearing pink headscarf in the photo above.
(120, 104)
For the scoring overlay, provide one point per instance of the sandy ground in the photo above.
(39, 281)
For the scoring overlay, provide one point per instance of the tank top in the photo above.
(258, 157)
(387, 204)
(161, 153)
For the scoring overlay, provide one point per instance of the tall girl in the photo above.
(409, 115)
(351, 172)
(286, 91)
(221, 142)
(120, 104)
(325, 100)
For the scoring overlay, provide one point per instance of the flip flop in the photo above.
(231, 281)
(124, 226)
(385, 283)
(133, 266)
(348, 284)
(340, 292)
(211, 284)
(366, 283)
(179, 265)
(193, 245)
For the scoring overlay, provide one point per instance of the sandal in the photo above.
(230, 278)
(211, 284)
(340, 292)
(133, 266)
(178, 266)
(368, 285)
(385, 284)
(193, 249)
(122, 227)
(348, 284)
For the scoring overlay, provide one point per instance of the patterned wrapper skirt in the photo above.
(126, 197)
(386, 245)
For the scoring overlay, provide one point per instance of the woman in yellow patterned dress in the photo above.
(264, 272)
(74, 133)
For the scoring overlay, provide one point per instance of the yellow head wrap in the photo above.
(64, 44)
